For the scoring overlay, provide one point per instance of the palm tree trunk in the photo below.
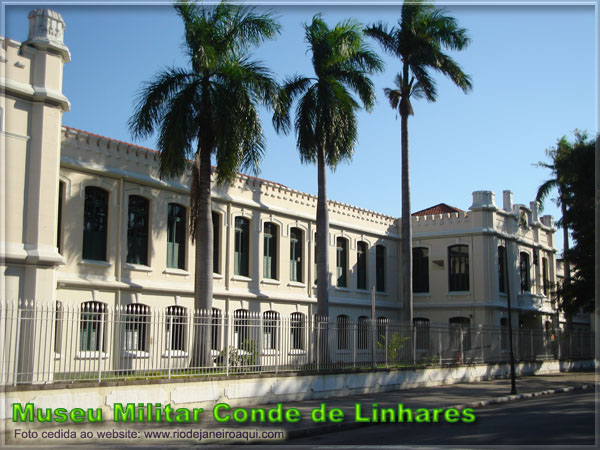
(203, 276)
(323, 275)
(407, 297)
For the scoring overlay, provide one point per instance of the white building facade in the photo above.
(88, 219)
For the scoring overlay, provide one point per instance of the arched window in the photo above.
(296, 261)
(343, 332)
(458, 265)
(176, 239)
(342, 262)
(137, 327)
(270, 326)
(420, 269)
(215, 329)
(92, 326)
(363, 332)
(382, 331)
(241, 329)
(361, 264)
(137, 230)
(95, 223)
(176, 325)
(241, 257)
(421, 333)
(380, 256)
(524, 271)
(297, 324)
(502, 268)
(460, 333)
(270, 251)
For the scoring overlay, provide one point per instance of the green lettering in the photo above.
(422, 415)
(60, 415)
(468, 415)
(357, 416)
(451, 415)
(216, 409)
(336, 415)
(77, 415)
(292, 415)
(22, 415)
(182, 415)
(124, 415)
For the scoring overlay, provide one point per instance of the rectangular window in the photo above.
(216, 241)
(458, 258)
(545, 280)
(380, 267)
(524, 272)
(342, 262)
(241, 332)
(361, 265)
(95, 223)
(270, 251)
(460, 333)
(241, 257)
(61, 193)
(502, 269)
(421, 333)
(296, 255)
(362, 333)
(270, 324)
(137, 230)
(176, 239)
(343, 332)
(420, 270)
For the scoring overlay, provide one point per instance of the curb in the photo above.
(305, 432)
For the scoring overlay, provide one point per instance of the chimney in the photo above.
(507, 201)
(535, 209)
(483, 199)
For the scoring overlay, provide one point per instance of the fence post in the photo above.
(482, 351)
(440, 345)
(100, 345)
(16, 365)
(462, 352)
(170, 344)
(318, 341)
(227, 333)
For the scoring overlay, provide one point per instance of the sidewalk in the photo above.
(471, 395)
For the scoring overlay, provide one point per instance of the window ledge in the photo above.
(137, 267)
(173, 271)
(296, 284)
(297, 351)
(270, 352)
(270, 281)
(135, 354)
(175, 354)
(217, 276)
(93, 262)
(421, 294)
(91, 355)
(343, 289)
(240, 278)
(382, 293)
(363, 291)
(459, 293)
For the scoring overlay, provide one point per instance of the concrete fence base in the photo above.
(263, 389)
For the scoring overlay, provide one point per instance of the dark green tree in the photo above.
(419, 41)
(572, 165)
(209, 110)
(325, 116)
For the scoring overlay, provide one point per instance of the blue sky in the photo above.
(534, 80)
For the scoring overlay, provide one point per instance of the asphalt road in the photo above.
(561, 419)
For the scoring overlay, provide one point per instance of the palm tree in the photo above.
(325, 117)
(419, 41)
(207, 110)
(556, 154)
